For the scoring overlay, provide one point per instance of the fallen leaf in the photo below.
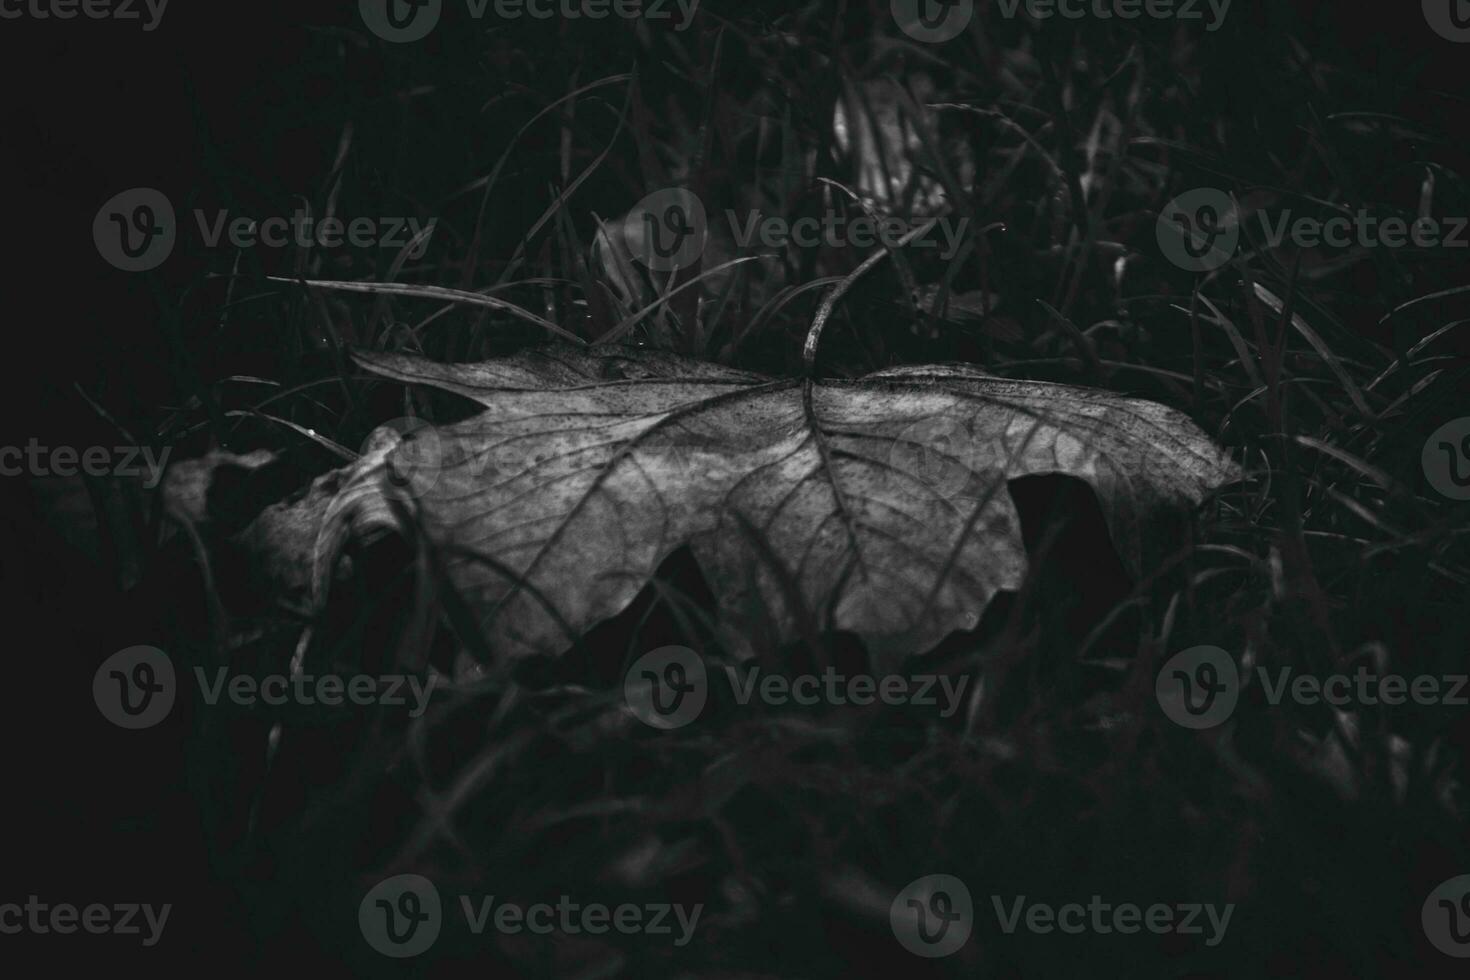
(877, 505)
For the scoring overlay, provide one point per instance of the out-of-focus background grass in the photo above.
(1065, 780)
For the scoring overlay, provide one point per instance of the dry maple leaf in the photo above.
(877, 505)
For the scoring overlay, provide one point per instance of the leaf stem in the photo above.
(809, 350)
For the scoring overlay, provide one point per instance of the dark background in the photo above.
(242, 106)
